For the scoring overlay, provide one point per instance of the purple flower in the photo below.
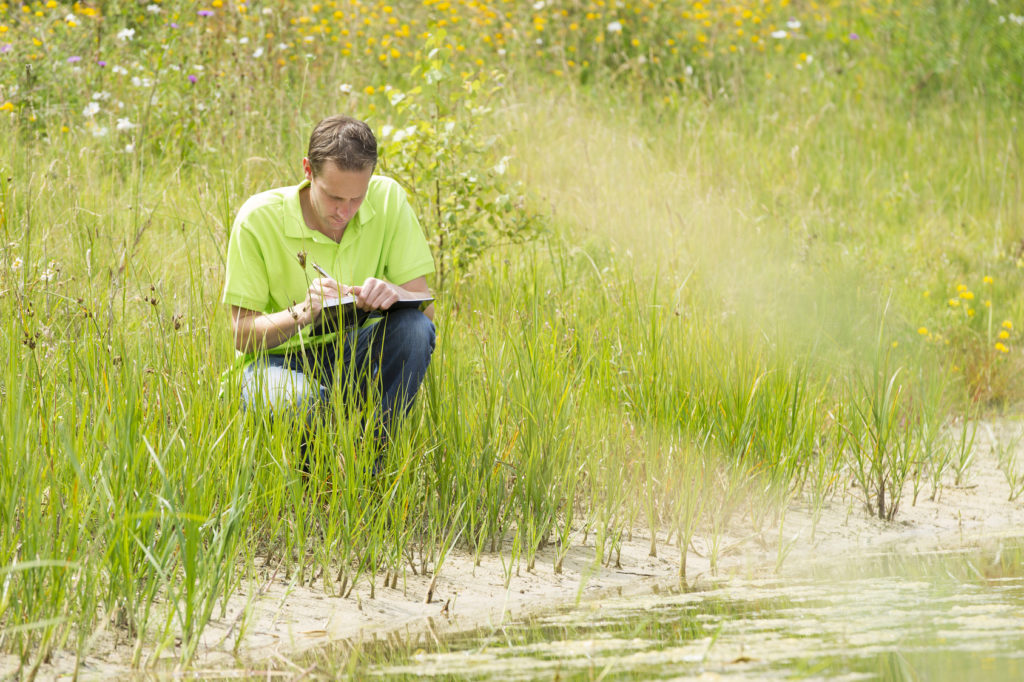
(854, 36)
(192, 78)
(173, 25)
(206, 12)
(6, 47)
(74, 58)
(101, 63)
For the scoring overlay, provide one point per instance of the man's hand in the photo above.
(376, 294)
(320, 290)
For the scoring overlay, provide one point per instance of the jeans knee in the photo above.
(413, 331)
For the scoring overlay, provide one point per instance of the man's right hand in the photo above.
(320, 290)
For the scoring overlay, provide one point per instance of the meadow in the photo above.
(696, 262)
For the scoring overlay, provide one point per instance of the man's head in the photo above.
(346, 142)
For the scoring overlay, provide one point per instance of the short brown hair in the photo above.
(346, 142)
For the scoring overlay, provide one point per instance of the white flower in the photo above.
(257, 53)
(688, 70)
(267, 11)
(129, 148)
(141, 82)
(346, 88)
(101, 131)
(243, 41)
(17, 263)
(101, 96)
(119, 70)
(282, 46)
(126, 34)
(792, 24)
(614, 27)
(124, 124)
(396, 98)
(779, 34)
(386, 131)
(91, 109)
(539, 5)
(502, 52)
(153, 9)
(502, 166)
(404, 133)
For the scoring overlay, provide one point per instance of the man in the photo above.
(359, 230)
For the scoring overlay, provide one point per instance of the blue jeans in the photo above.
(390, 357)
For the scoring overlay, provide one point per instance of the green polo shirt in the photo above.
(384, 240)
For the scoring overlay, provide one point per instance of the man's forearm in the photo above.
(268, 330)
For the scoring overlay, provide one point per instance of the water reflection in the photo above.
(933, 616)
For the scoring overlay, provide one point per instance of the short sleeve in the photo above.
(408, 254)
(246, 283)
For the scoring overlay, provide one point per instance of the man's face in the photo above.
(335, 194)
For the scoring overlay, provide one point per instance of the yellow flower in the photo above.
(369, 90)
(970, 312)
(967, 295)
(988, 303)
(1007, 324)
(7, 106)
(987, 280)
(953, 303)
(895, 344)
(1004, 334)
(961, 287)
(1001, 348)
(923, 331)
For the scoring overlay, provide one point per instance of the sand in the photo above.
(275, 621)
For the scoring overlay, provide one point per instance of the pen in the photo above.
(322, 271)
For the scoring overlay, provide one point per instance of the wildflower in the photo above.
(967, 295)
(614, 27)
(1002, 348)
(779, 35)
(257, 53)
(17, 263)
(793, 24)
(120, 70)
(854, 36)
(961, 287)
(51, 271)
(953, 303)
(74, 59)
(101, 96)
(1004, 334)
(7, 106)
(987, 280)
(91, 109)
(126, 34)
(192, 78)
(101, 63)
(988, 303)
(369, 90)
(6, 47)
(923, 331)
(101, 131)
(539, 5)
(129, 148)
(124, 124)
(153, 9)
(1007, 324)
(346, 88)
(205, 12)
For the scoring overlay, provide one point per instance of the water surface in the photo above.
(893, 616)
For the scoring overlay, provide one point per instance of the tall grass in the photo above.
(672, 357)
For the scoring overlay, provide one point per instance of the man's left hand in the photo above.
(375, 294)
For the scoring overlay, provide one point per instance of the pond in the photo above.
(937, 615)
